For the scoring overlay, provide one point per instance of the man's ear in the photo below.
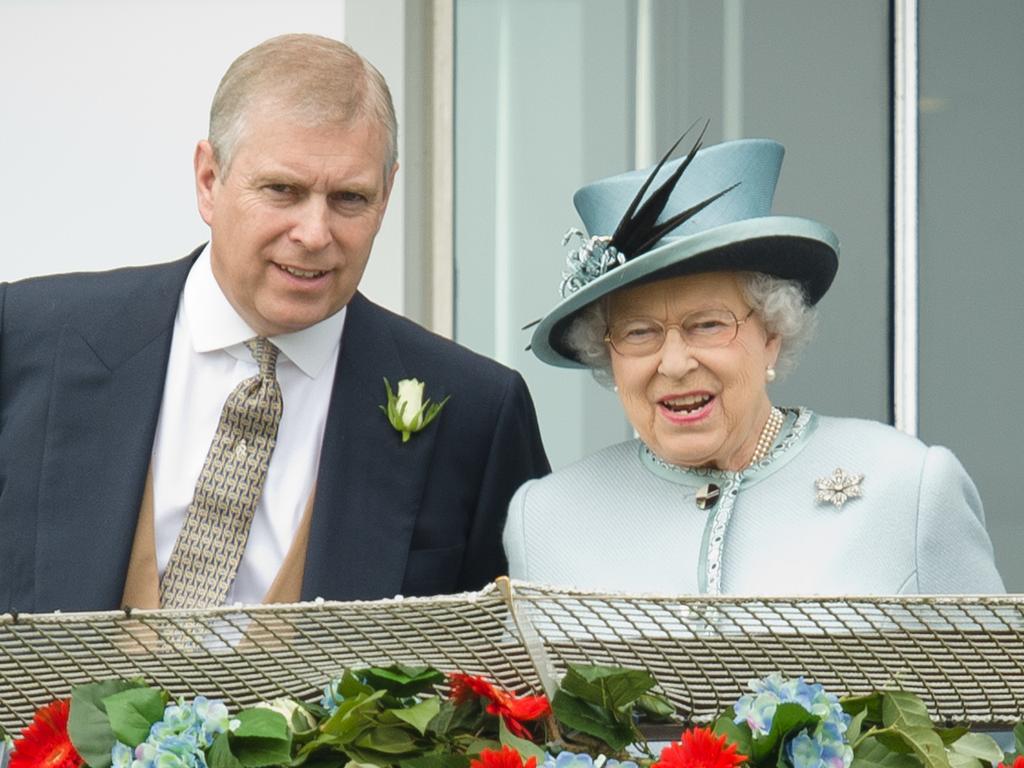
(207, 179)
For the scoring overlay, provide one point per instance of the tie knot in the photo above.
(265, 355)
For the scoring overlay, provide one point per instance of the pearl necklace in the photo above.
(767, 437)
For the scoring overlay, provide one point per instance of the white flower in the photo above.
(410, 404)
(408, 411)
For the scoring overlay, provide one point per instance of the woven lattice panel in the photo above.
(963, 656)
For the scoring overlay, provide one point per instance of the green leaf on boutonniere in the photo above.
(408, 411)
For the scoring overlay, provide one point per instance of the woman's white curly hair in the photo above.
(781, 305)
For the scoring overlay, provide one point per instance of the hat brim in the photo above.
(784, 246)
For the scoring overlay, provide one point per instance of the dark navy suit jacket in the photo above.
(82, 364)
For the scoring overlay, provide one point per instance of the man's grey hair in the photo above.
(781, 305)
(315, 79)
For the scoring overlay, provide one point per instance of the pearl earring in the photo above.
(769, 374)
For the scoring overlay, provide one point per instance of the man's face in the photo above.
(294, 218)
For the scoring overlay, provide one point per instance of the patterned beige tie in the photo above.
(212, 540)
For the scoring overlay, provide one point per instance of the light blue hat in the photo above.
(717, 218)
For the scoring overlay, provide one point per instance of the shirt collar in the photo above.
(213, 324)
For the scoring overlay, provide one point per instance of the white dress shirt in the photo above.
(207, 361)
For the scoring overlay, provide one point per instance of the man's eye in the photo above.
(280, 189)
(349, 198)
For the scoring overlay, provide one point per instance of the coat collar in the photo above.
(107, 387)
(370, 483)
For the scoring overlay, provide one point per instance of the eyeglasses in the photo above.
(642, 336)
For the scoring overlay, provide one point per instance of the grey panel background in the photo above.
(815, 76)
(971, 268)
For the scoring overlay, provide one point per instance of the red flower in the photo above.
(506, 758)
(1018, 762)
(45, 743)
(500, 703)
(701, 748)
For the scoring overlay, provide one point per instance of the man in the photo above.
(209, 431)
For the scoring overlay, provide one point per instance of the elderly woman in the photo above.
(691, 297)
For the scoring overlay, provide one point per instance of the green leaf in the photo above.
(400, 680)
(525, 748)
(853, 729)
(735, 733)
(353, 716)
(608, 687)
(584, 717)
(655, 707)
(871, 753)
(922, 742)
(904, 710)
(978, 745)
(261, 723)
(870, 704)
(956, 760)
(88, 724)
(788, 718)
(477, 746)
(419, 715)
(133, 711)
(262, 738)
(389, 740)
(950, 735)
(1018, 737)
(220, 755)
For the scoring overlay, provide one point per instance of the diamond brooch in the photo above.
(838, 488)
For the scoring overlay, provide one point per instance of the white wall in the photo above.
(101, 105)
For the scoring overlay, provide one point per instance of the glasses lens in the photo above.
(645, 336)
(709, 328)
(637, 337)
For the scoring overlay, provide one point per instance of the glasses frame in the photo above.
(737, 322)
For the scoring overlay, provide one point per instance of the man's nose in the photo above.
(312, 227)
(676, 355)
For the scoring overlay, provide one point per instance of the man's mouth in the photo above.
(307, 274)
(687, 403)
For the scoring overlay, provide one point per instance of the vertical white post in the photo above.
(645, 152)
(502, 198)
(905, 216)
(732, 69)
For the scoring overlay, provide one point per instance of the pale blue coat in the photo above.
(620, 520)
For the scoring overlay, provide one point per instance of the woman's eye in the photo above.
(706, 327)
(639, 332)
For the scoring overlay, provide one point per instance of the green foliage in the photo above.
(603, 703)
(89, 726)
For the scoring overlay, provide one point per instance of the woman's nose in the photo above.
(676, 358)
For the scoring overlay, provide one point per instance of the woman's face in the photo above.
(695, 406)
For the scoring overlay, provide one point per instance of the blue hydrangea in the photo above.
(332, 697)
(579, 760)
(180, 739)
(826, 746)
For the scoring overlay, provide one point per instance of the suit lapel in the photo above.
(370, 483)
(107, 389)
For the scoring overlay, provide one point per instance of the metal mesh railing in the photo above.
(963, 655)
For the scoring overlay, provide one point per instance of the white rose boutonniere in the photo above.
(407, 411)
